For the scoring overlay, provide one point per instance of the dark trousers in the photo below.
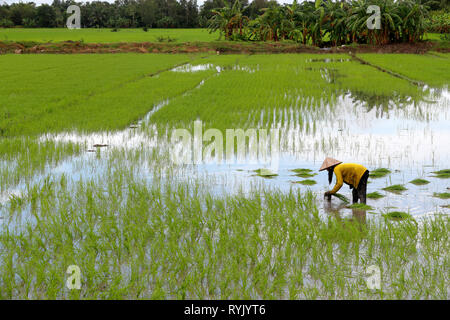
(361, 191)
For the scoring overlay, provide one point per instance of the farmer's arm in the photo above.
(339, 181)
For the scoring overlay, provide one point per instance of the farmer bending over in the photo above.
(355, 175)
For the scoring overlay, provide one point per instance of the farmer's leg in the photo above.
(355, 195)
(362, 187)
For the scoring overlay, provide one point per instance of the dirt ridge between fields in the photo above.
(221, 47)
(390, 72)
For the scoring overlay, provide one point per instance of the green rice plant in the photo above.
(379, 173)
(445, 173)
(301, 170)
(419, 182)
(78, 103)
(94, 35)
(265, 173)
(341, 197)
(361, 206)
(303, 173)
(375, 195)
(429, 70)
(396, 188)
(443, 195)
(307, 182)
(397, 215)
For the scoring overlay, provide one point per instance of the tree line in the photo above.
(102, 14)
(147, 13)
(327, 22)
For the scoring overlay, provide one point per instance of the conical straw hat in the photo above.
(329, 162)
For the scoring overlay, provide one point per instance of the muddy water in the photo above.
(411, 140)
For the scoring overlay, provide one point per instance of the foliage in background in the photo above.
(325, 22)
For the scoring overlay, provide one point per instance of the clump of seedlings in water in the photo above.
(444, 195)
(303, 173)
(419, 182)
(397, 215)
(341, 197)
(375, 195)
(361, 206)
(396, 188)
(445, 173)
(307, 182)
(379, 173)
(265, 173)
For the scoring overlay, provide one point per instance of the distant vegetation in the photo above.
(322, 21)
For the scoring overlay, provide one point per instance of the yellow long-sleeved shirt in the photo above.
(349, 173)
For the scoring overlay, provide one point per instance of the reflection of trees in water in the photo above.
(383, 103)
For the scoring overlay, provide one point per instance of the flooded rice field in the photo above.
(211, 188)
(409, 136)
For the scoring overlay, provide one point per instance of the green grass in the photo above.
(375, 195)
(379, 173)
(443, 195)
(426, 68)
(419, 182)
(396, 188)
(105, 35)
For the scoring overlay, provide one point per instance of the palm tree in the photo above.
(227, 20)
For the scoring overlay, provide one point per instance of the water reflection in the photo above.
(408, 134)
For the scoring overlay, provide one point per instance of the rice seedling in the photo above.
(444, 174)
(304, 173)
(396, 188)
(397, 215)
(379, 173)
(120, 82)
(212, 247)
(141, 227)
(307, 182)
(361, 206)
(341, 197)
(302, 170)
(429, 70)
(419, 182)
(374, 195)
(265, 173)
(443, 195)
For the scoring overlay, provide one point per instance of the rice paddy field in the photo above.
(106, 35)
(88, 176)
